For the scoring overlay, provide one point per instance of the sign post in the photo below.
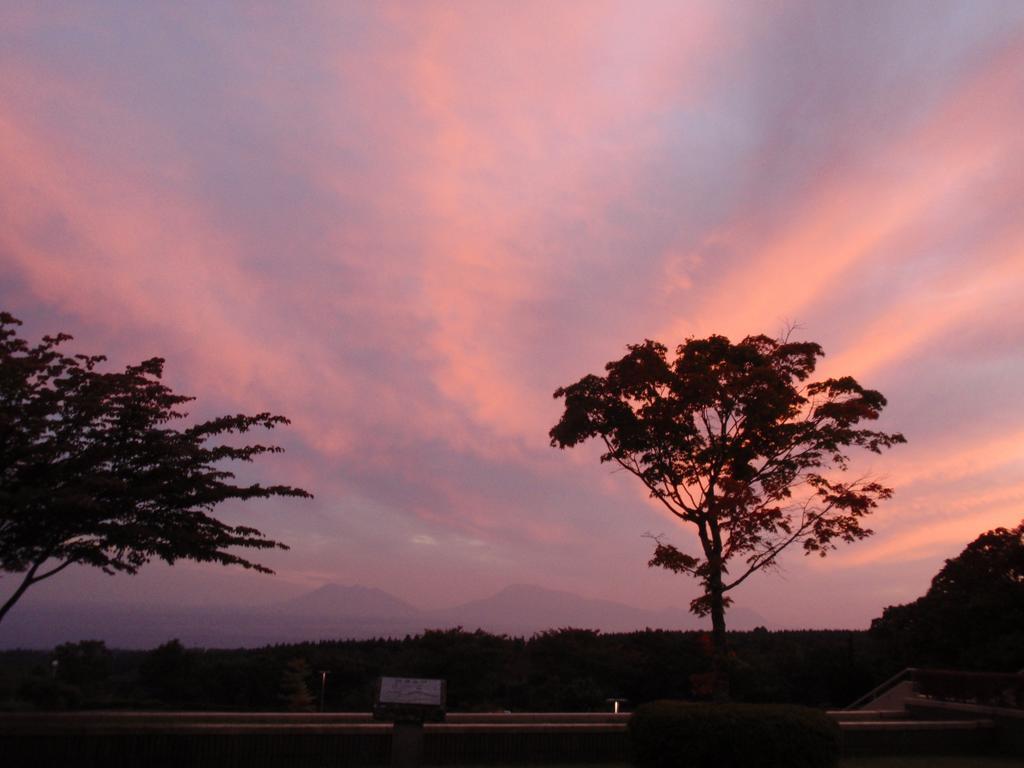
(408, 702)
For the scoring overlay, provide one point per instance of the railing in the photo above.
(277, 740)
(878, 690)
(986, 688)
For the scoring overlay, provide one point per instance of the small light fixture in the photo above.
(616, 703)
(323, 687)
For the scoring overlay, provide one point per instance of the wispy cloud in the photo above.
(405, 225)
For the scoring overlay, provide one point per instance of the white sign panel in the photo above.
(411, 690)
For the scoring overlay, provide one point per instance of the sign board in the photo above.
(409, 698)
(411, 690)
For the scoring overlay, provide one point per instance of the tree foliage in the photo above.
(677, 734)
(294, 687)
(85, 664)
(973, 613)
(94, 472)
(168, 672)
(558, 670)
(734, 439)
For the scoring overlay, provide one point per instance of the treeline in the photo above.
(558, 670)
(971, 618)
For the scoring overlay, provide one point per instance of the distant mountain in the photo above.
(526, 608)
(336, 600)
(740, 619)
(333, 612)
(128, 626)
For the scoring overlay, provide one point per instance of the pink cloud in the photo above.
(405, 225)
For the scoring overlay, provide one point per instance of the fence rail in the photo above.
(992, 689)
(199, 740)
(276, 740)
(986, 688)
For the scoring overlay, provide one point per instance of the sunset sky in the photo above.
(404, 225)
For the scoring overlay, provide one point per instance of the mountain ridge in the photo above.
(335, 611)
(353, 600)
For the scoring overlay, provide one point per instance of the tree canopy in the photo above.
(972, 615)
(734, 439)
(94, 472)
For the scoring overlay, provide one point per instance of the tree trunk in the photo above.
(25, 584)
(31, 577)
(720, 657)
(720, 651)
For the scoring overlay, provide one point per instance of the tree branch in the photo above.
(807, 520)
(54, 571)
(635, 470)
(26, 582)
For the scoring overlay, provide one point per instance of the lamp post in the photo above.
(323, 687)
(616, 703)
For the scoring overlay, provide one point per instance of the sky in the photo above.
(404, 225)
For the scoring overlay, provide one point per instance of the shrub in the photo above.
(674, 734)
(46, 693)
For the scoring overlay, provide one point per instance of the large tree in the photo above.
(94, 472)
(973, 613)
(735, 440)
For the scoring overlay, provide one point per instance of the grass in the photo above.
(930, 761)
(964, 761)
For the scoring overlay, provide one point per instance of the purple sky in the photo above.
(405, 225)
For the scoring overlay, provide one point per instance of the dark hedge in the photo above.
(675, 734)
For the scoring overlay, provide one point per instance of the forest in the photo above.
(559, 670)
(971, 618)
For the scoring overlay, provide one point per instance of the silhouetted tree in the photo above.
(973, 612)
(294, 688)
(168, 673)
(92, 472)
(85, 664)
(556, 670)
(733, 439)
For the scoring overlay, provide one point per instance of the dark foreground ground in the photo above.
(861, 762)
